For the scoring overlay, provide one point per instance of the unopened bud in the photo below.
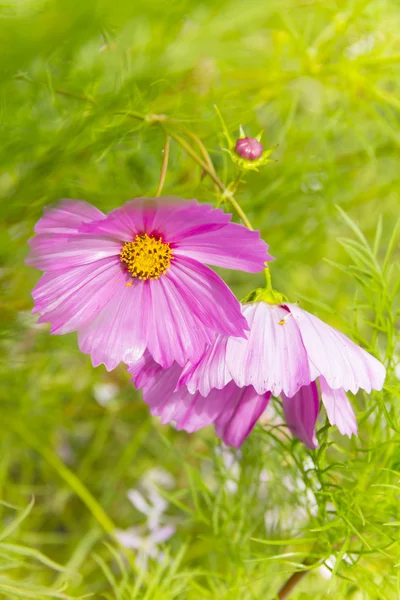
(249, 148)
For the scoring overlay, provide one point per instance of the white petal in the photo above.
(338, 408)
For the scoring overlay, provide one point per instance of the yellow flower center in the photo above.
(147, 257)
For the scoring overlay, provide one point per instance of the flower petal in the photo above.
(333, 355)
(170, 217)
(123, 223)
(199, 411)
(191, 412)
(162, 534)
(233, 247)
(144, 370)
(175, 333)
(233, 410)
(139, 502)
(118, 333)
(273, 358)
(52, 252)
(69, 298)
(244, 408)
(131, 538)
(67, 217)
(175, 317)
(208, 296)
(177, 220)
(210, 372)
(301, 413)
(338, 408)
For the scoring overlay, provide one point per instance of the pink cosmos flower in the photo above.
(288, 350)
(135, 279)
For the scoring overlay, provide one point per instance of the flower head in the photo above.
(136, 279)
(287, 352)
(249, 148)
(247, 152)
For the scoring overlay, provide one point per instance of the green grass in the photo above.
(322, 80)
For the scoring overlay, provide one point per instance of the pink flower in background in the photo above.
(286, 352)
(136, 279)
(147, 537)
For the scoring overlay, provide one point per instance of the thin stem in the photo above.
(205, 164)
(226, 193)
(268, 278)
(224, 127)
(288, 586)
(164, 167)
(236, 182)
(201, 146)
(22, 77)
(133, 114)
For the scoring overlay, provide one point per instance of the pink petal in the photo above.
(208, 296)
(162, 534)
(301, 413)
(51, 252)
(170, 217)
(67, 216)
(175, 317)
(233, 246)
(70, 298)
(131, 538)
(176, 333)
(177, 220)
(139, 502)
(157, 384)
(191, 412)
(244, 408)
(135, 216)
(210, 372)
(199, 411)
(331, 354)
(153, 314)
(144, 370)
(273, 358)
(233, 410)
(118, 332)
(338, 408)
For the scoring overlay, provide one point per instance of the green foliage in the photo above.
(82, 88)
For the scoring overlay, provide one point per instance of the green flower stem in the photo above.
(223, 124)
(267, 273)
(164, 167)
(226, 192)
(204, 163)
(201, 147)
(236, 181)
(61, 92)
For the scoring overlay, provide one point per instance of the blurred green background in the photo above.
(321, 79)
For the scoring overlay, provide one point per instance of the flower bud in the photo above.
(248, 148)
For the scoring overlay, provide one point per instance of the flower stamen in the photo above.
(284, 319)
(147, 257)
